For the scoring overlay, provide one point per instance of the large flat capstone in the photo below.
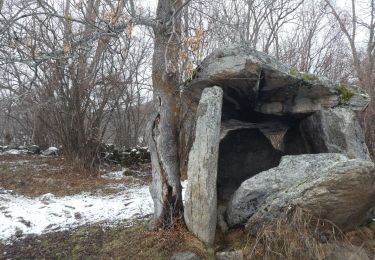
(201, 193)
(253, 80)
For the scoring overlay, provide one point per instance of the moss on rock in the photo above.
(344, 93)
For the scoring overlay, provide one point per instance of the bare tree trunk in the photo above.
(163, 142)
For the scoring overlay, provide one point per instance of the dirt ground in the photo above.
(37, 175)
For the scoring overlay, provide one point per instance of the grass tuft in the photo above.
(300, 235)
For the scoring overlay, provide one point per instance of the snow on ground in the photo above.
(118, 175)
(14, 152)
(25, 215)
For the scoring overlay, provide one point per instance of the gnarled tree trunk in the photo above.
(163, 139)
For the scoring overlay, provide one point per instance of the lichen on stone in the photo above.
(344, 93)
(293, 71)
(306, 77)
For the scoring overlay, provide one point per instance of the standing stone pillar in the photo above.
(201, 193)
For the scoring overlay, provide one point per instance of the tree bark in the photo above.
(163, 139)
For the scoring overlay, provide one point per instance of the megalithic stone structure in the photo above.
(201, 194)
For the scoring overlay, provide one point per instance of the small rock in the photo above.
(234, 255)
(77, 215)
(67, 213)
(185, 256)
(19, 233)
(47, 198)
(25, 222)
(51, 151)
(34, 149)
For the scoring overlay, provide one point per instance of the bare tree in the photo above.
(75, 65)
(66, 51)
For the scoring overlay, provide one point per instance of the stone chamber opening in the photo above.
(250, 141)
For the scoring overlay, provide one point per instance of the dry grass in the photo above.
(35, 176)
(300, 235)
(96, 242)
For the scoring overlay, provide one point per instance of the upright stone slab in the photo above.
(201, 195)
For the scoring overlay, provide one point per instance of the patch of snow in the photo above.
(15, 152)
(117, 175)
(49, 213)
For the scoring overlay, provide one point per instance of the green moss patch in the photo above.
(344, 93)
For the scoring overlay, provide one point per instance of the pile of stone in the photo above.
(108, 152)
(125, 156)
(17, 150)
(321, 164)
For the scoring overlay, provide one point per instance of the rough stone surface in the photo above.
(292, 170)
(221, 223)
(233, 255)
(51, 151)
(201, 195)
(34, 149)
(185, 256)
(244, 153)
(335, 130)
(329, 185)
(371, 214)
(251, 79)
